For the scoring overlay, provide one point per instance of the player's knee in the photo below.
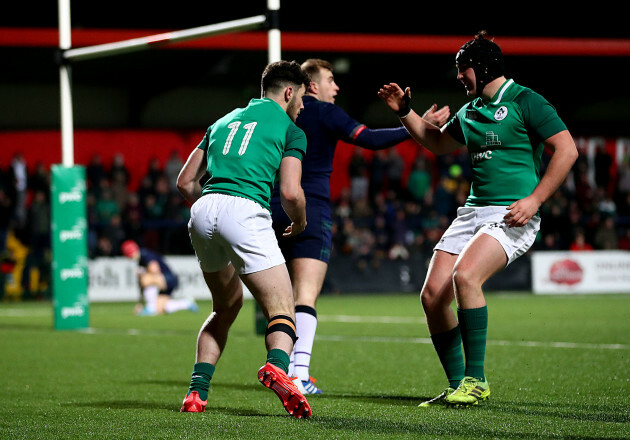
(431, 295)
(464, 277)
(284, 324)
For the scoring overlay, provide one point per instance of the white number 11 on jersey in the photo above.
(233, 126)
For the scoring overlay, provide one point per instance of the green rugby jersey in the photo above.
(504, 138)
(245, 147)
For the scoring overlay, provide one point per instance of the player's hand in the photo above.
(393, 96)
(521, 212)
(294, 229)
(437, 117)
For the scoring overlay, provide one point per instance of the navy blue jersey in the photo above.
(324, 124)
(147, 255)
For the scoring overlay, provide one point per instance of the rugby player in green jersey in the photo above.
(243, 153)
(505, 127)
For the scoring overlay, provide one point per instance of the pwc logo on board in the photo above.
(566, 272)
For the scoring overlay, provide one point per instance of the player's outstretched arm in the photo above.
(426, 134)
(188, 179)
(292, 195)
(437, 117)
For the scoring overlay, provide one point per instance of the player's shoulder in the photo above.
(312, 104)
(526, 97)
(520, 93)
(295, 133)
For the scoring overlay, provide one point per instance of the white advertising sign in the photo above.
(581, 272)
(115, 279)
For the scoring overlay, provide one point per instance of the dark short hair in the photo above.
(282, 73)
(313, 65)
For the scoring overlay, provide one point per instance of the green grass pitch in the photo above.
(558, 366)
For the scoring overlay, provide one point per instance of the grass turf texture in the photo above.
(558, 367)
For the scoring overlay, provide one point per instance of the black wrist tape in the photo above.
(405, 108)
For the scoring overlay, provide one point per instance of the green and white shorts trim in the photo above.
(226, 229)
(471, 221)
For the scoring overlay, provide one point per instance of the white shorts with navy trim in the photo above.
(226, 229)
(488, 220)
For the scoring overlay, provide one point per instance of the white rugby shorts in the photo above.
(226, 229)
(488, 220)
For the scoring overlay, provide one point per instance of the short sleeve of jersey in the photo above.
(454, 127)
(338, 121)
(539, 115)
(203, 145)
(296, 142)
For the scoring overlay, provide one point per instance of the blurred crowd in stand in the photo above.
(379, 216)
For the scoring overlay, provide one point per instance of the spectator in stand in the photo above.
(579, 242)
(359, 175)
(39, 179)
(132, 218)
(106, 207)
(420, 180)
(119, 171)
(606, 234)
(172, 168)
(120, 191)
(395, 168)
(602, 162)
(378, 172)
(19, 173)
(624, 240)
(154, 170)
(95, 173)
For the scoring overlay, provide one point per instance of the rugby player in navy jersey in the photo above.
(308, 253)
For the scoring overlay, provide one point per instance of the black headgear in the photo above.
(485, 58)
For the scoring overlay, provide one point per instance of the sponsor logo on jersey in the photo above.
(495, 225)
(492, 140)
(501, 113)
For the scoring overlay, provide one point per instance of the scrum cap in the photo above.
(129, 247)
(485, 58)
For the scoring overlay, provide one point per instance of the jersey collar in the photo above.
(496, 99)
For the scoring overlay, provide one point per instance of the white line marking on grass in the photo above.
(372, 319)
(382, 339)
(24, 312)
(389, 340)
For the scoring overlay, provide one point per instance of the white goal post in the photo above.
(69, 54)
(68, 188)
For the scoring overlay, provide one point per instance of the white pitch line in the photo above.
(372, 319)
(24, 312)
(399, 340)
(352, 319)
(383, 339)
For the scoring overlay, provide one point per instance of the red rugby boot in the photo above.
(277, 380)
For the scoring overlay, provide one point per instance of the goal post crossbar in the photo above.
(135, 44)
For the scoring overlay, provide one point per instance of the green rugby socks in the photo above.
(200, 382)
(279, 358)
(448, 346)
(474, 328)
